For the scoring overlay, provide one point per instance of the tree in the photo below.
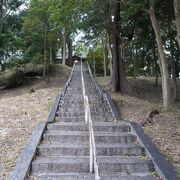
(64, 46)
(65, 16)
(106, 15)
(6, 8)
(10, 32)
(120, 82)
(39, 29)
(105, 52)
(163, 61)
(177, 17)
(11, 41)
(99, 58)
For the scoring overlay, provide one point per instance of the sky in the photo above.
(78, 37)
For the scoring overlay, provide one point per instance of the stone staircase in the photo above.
(64, 150)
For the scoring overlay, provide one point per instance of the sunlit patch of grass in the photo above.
(178, 117)
(178, 172)
(49, 105)
(155, 174)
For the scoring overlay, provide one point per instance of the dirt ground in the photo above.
(21, 110)
(165, 129)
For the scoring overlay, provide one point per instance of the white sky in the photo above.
(78, 37)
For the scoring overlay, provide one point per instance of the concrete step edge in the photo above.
(85, 159)
(86, 145)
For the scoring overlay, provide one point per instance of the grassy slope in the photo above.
(21, 111)
(165, 129)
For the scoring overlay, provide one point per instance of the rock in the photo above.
(32, 90)
(149, 117)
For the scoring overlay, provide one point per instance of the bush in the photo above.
(11, 78)
(99, 58)
(38, 59)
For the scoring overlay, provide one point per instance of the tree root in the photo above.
(149, 117)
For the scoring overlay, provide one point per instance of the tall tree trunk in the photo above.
(94, 63)
(45, 52)
(177, 17)
(105, 60)
(51, 52)
(173, 70)
(110, 55)
(164, 64)
(156, 68)
(2, 66)
(64, 48)
(134, 61)
(69, 44)
(105, 56)
(134, 67)
(1, 15)
(115, 76)
(120, 82)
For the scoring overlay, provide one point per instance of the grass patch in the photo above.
(178, 117)
(178, 172)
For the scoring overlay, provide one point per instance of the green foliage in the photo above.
(25, 31)
(11, 36)
(37, 59)
(38, 18)
(11, 40)
(178, 118)
(99, 60)
(11, 78)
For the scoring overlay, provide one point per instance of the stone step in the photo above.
(80, 107)
(115, 137)
(72, 110)
(69, 114)
(79, 137)
(82, 119)
(71, 149)
(62, 176)
(80, 111)
(94, 102)
(129, 165)
(61, 164)
(80, 164)
(80, 96)
(71, 94)
(82, 126)
(70, 119)
(67, 126)
(70, 107)
(66, 136)
(78, 88)
(73, 87)
(72, 97)
(74, 100)
(123, 176)
(64, 151)
(88, 176)
(72, 113)
(92, 106)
